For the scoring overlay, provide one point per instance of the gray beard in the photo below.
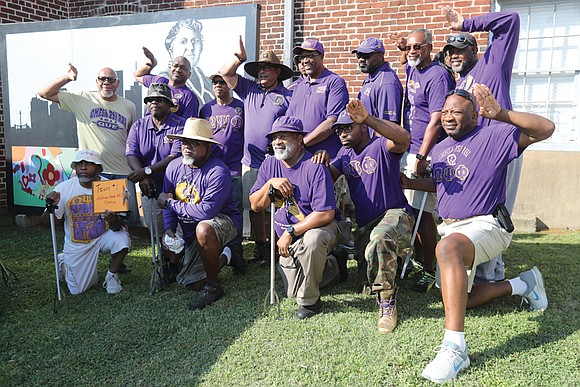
(286, 153)
(106, 94)
(187, 160)
(413, 63)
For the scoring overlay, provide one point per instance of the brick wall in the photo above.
(340, 24)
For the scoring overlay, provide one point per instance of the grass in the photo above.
(133, 338)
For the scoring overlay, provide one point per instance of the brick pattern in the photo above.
(339, 24)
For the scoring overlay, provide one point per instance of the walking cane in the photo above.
(408, 258)
(50, 207)
(156, 277)
(274, 300)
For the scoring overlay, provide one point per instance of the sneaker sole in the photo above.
(541, 291)
(465, 364)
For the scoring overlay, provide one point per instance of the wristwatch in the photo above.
(421, 157)
(290, 230)
(147, 170)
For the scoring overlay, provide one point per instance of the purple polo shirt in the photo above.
(373, 179)
(185, 99)
(151, 145)
(261, 110)
(495, 68)
(227, 123)
(470, 174)
(425, 94)
(313, 190)
(313, 101)
(201, 193)
(382, 94)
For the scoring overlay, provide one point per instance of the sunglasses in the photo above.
(365, 56)
(459, 39)
(463, 93)
(218, 82)
(416, 47)
(264, 67)
(107, 79)
(343, 129)
(157, 100)
(304, 57)
(192, 143)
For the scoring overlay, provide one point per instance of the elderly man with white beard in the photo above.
(307, 222)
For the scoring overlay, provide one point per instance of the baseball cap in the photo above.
(159, 90)
(460, 40)
(287, 124)
(87, 155)
(343, 119)
(309, 44)
(370, 45)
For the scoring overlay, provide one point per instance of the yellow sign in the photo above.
(110, 195)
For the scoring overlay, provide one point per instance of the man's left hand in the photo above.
(162, 198)
(421, 167)
(321, 157)
(284, 243)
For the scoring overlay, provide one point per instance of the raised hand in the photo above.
(453, 17)
(149, 55)
(72, 72)
(357, 112)
(488, 105)
(241, 51)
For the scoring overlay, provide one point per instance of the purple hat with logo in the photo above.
(343, 119)
(287, 124)
(370, 45)
(309, 44)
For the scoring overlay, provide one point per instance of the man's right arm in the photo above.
(147, 67)
(228, 71)
(50, 91)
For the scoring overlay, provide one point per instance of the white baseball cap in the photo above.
(87, 155)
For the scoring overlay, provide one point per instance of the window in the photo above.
(546, 73)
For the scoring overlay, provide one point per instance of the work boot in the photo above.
(341, 255)
(387, 300)
(238, 263)
(209, 293)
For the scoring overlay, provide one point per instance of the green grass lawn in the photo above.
(133, 338)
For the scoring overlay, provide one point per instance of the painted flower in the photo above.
(50, 175)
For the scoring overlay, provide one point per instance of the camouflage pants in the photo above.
(379, 243)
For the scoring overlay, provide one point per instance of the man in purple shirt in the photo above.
(427, 84)
(371, 167)
(494, 69)
(317, 99)
(381, 92)
(469, 169)
(197, 194)
(265, 99)
(307, 221)
(226, 116)
(185, 101)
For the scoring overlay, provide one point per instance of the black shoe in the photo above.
(238, 263)
(260, 253)
(170, 271)
(209, 293)
(123, 269)
(307, 311)
(341, 255)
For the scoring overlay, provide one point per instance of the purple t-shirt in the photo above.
(313, 190)
(185, 99)
(260, 110)
(314, 102)
(470, 174)
(151, 145)
(382, 94)
(425, 94)
(495, 68)
(227, 122)
(201, 193)
(373, 179)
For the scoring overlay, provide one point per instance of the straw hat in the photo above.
(195, 129)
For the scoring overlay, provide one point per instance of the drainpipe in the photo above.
(288, 33)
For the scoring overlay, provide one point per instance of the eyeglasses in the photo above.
(365, 56)
(156, 99)
(416, 47)
(304, 57)
(459, 39)
(264, 67)
(192, 143)
(463, 93)
(218, 82)
(343, 129)
(108, 79)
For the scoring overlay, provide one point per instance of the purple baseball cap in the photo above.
(287, 124)
(343, 119)
(370, 45)
(309, 44)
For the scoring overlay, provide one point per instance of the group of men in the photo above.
(197, 174)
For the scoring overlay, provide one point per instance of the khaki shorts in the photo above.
(416, 197)
(488, 237)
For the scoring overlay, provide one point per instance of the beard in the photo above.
(106, 94)
(286, 153)
(413, 62)
(187, 160)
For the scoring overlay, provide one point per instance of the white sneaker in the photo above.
(447, 364)
(535, 294)
(61, 269)
(112, 283)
